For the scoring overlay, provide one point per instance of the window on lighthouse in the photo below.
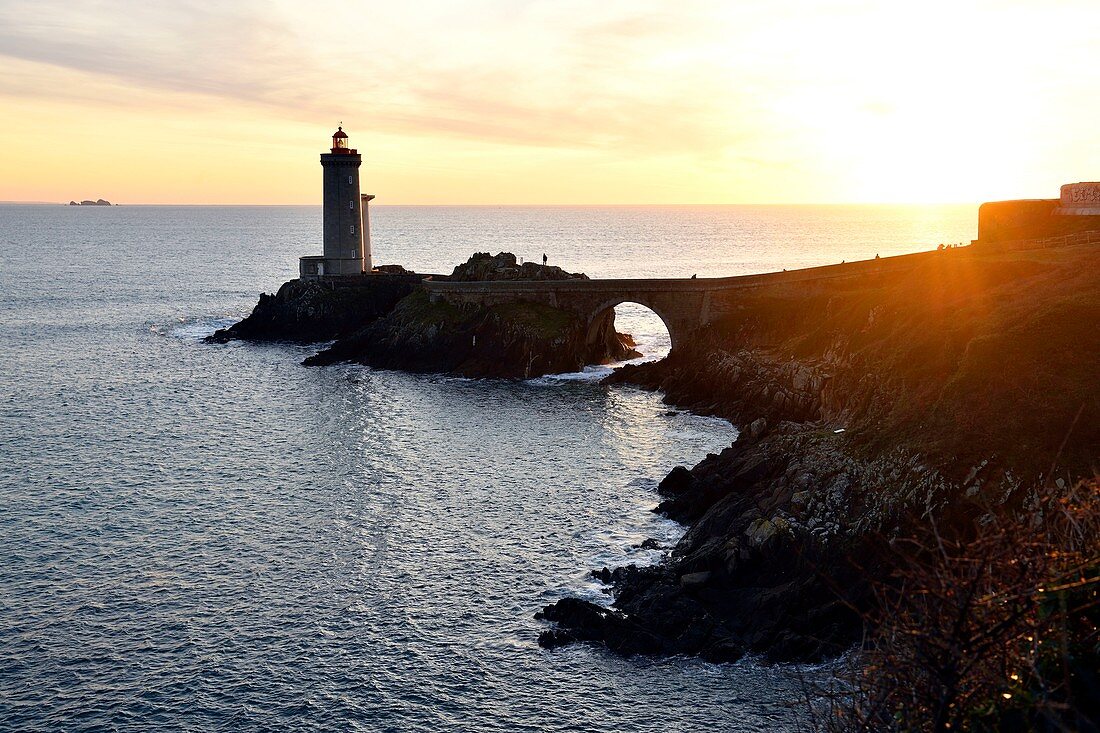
(351, 204)
(353, 229)
(349, 180)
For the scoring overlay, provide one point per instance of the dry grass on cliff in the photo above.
(419, 308)
(968, 356)
(542, 320)
(994, 632)
(991, 359)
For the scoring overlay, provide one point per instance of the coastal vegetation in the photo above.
(992, 629)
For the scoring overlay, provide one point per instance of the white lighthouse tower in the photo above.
(346, 219)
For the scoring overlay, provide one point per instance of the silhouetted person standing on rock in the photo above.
(544, 259)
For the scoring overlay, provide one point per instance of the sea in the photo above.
(202, 537)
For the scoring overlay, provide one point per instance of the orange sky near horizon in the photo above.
(532, 101)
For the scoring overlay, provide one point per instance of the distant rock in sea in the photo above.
(87, 202)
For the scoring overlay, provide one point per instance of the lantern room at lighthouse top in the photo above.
(340, 143)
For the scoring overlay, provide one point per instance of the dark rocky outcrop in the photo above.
(765, 567)
(866, 409)
(387, 320)
(483, 266)
(513, 340)
(321, 310)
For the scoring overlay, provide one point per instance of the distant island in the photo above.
(97, 202)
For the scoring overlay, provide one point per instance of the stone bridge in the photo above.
(684, 305)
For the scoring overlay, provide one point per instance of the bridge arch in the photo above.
(604, 307)
(685, 305)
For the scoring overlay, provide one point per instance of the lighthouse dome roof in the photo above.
(339, 132)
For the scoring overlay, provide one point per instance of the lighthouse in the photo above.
(346, 229)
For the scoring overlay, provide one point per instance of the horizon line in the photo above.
(522, 205)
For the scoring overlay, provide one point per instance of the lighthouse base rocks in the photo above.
(386, 320)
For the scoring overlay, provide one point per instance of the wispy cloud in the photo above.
(782, 97)
(590, 86)
(182, 47)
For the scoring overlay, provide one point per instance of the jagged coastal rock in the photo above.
(89, 202)
(309, 311)
(866, 408)
(518, 340)
(386, 320)
(503, 266)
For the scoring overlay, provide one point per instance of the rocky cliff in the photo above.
(314, 310)
(483, 266)
(386, 320)
(867, 408)
(515, 340)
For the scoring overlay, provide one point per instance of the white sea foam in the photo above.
(623, 547)
(588, 374)
(592, 373)
(192, 329)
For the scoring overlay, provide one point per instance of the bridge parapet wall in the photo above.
(679, 285)
(684, 304)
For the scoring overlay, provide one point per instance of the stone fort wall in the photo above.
(1076, 210)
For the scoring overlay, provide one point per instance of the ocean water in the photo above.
(213, 537)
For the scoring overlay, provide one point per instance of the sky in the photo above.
(550, 101)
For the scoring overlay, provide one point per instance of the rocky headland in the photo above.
(947, 404)
(312, 311)
(868, 408)
(387, 320)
